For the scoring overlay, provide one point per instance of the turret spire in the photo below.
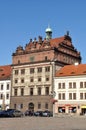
(48, 33)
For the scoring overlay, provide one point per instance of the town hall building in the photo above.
(34, 67)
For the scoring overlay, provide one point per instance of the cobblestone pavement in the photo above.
(44, 123)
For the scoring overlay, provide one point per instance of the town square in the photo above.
(42, 65)
(44, 123)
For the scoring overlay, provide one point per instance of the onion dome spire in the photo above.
(48, 33)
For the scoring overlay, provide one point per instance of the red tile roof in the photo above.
(5, 72)
(53, 43)
(56, 41)
(72, 70)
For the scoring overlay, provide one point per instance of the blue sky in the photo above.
(21, 20)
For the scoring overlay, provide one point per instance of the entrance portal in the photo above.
(31, 106)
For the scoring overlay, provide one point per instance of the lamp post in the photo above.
(53, 93)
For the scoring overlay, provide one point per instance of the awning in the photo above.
(84, 106)
(68, 105)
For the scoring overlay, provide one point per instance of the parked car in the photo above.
(29, 113)
(11, 113)
(38, 113)
(47, 114)
(2, 113)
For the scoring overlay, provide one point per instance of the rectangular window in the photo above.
(39, 69)
(74, 96)
(47, 91)
(16, 81)
(7, 96)
(85, 95)
(81, 84)
(70, 96)
(39, 90)
(59, 85)
(2, 86)
(46, 58)
(46, 105)
(63, 85)
(7, 86)
(22, 71)
(15, 91)
(22, 91)
(31, 70)
(47, 78)
(70, 85)
(63, 96)
(84, 84)
(74, 84)
(31, 79)
(16, 72)
(59, 96)
(81, 95)
(22, 80)
(18, 61)
(1, 96)
(39, 105)
(47, 69)
(31, 91)
(39, 79)
(21, 106)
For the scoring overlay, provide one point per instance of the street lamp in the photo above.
(53, 93)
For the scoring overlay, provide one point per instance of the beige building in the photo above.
(70, 88)
(33, 69)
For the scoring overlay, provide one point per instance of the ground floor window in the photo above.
(83, 111)
(72, 109)
(61, 109)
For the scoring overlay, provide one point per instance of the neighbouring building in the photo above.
(70, 88)
(5, 86)
(33, 69)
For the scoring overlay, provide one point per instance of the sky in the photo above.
(21, 20)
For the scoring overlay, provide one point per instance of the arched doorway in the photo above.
(31, 106)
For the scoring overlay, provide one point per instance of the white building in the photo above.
(70, 88)
(5, 86)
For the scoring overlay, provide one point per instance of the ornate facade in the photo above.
(33, 69)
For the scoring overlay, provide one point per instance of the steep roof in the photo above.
(72, 70)
(56, 41)
(5, 72)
